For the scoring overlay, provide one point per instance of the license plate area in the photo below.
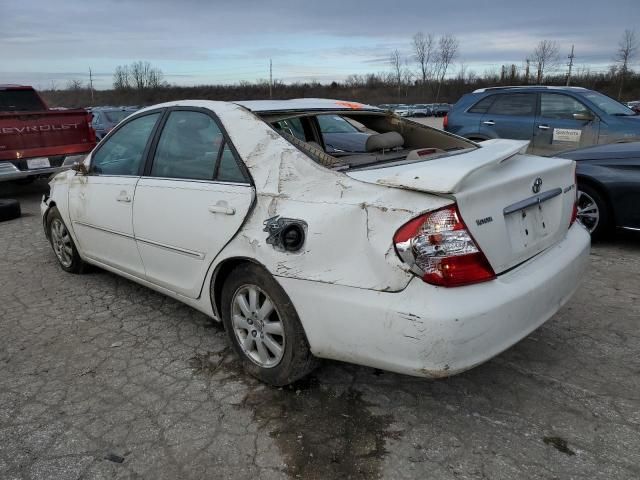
(33, 163)
(527, 226)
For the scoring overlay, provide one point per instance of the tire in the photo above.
(259, 333)
(9, 209)
(591, 202)
(62, 243)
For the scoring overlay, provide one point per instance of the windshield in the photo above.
(335, 124)
(20, 100)
(117, 115)
(609, 105)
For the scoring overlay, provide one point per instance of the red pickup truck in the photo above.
(35, 140)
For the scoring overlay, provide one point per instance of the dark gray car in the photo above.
(608, 186)
(554, 119)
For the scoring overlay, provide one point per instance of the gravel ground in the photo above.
(102, 378)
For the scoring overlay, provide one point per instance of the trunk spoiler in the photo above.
(446, 174)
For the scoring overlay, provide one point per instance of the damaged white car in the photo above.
(327, 229)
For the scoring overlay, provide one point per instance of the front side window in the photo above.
(560, 106)
(188, 147)
(516, 104)
(122, 153)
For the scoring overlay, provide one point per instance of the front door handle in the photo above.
(222, 207)
(123, 197)
(543, 127)
(489, 122)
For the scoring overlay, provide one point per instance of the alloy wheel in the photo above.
(588, 211)
(61, 242)
(257, 326)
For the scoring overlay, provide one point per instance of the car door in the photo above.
(510, 115)
(100, 203)
(191, 201)
(563, 123)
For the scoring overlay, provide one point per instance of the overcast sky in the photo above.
(200, 41)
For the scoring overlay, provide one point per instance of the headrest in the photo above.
(383, 141)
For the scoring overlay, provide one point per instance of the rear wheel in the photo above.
(593, 211)
(264, 328)
(62, 243)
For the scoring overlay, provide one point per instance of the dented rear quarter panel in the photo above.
(350, 223)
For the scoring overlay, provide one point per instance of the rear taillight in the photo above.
(445, 122)
(574, 211)
(439, 248)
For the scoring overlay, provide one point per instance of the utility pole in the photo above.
(91, 84)
(270, 79)
(570, 64)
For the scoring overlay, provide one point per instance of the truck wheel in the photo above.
(62, 243)
(264, 328)
(9, 209)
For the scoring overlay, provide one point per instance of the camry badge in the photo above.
(537, 184)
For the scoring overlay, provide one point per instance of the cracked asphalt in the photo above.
(102, 378)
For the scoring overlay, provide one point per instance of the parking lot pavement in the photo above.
(102, 378)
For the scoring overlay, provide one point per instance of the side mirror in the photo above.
(80, 168)
(583, 116)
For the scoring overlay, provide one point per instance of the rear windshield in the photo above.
(20, 100)
(117, 115)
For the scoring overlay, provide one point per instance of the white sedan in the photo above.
(421, 252)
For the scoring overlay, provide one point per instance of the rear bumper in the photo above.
(9, 171)
(433, 331)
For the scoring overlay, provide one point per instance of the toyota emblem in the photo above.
(537, 184)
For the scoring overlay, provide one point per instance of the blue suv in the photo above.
(552, 118)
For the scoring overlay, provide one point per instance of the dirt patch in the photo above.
(559, 444)
(321, 431)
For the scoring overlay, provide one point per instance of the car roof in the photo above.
(532, 87)
(304, 104)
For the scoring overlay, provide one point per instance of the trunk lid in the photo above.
(514, 205)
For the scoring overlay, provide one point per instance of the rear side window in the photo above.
(483, 105)
(516, 104)
(560, 106)
(20, 100)
(229, 170)
(188, 147)
(122, 152)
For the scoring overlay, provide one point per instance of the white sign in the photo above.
(38, 163)
(566, 135)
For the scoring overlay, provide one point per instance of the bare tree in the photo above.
(545, 58)
(121, 78)
(74, 84)
(396, 67)
(447, 51)
(423, 47)
(627, 50)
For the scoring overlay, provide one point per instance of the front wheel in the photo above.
(62, 243)
(264, 328)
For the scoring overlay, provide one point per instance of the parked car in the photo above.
(427, 255)
(105, 118)
(552, 118)
(441, 109)
(422, 110)
(608, 186)
(37, 141)
(403, 110)
(635, 106)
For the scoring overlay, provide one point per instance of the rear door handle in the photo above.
(123, 197)
(489, 122)
(222, 207)
(543, 127)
